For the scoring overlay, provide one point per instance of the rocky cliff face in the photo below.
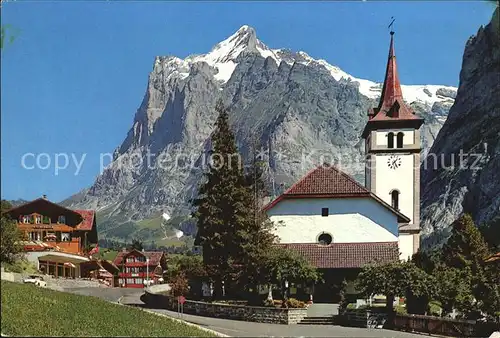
(301, 110)
(469, 183)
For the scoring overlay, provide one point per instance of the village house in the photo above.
(340, 225)
(103, 270)
(56, 239)
(139, 268)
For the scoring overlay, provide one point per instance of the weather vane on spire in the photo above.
(391, 25)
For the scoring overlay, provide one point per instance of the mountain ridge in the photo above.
(291, 102)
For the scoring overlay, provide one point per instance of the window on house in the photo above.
(65, 237)
(46, 220)
(38, 219)
(399, 141)
(395, 199)
(26, 219)
(50, 236)
(61, 219)
(138, 281)
(324, 212)
(35, 236)
(130, 281)
(325, 239)
(390, 140)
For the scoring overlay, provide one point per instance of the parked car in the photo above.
(37, 280)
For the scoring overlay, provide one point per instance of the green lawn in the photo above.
(30, 311)
(107, 254)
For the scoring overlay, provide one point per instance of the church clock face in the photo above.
(394, 162)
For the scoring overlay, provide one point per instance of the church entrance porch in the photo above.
(328, 290)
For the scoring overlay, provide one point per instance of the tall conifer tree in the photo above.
(222, 204)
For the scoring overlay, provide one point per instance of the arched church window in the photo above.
(399, 140)
(390, 140)
(395, 199)
(325, 239)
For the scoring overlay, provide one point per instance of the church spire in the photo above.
(391, 107)
(391, 91)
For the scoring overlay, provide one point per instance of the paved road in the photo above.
(109, 294)
(251, 329)
(241, 328)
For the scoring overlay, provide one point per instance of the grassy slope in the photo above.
(28, 310)
(147, 230)
(107, 254)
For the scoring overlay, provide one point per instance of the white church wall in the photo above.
(405, 246)
(350, 220)
(401, 179)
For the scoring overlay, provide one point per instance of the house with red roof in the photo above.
(56, 238)
(139, 268)
(340, 225)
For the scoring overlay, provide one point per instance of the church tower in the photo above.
(392, 146)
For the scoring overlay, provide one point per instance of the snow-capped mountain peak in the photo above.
(223, 58)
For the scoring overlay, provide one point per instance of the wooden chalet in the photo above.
(140, 267)
(56, 238)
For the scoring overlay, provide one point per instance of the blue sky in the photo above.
(77, 72)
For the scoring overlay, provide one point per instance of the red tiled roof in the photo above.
(327, 180)
(330, 182)
(154, 256)
(346, 255)
(34, 203)
(88, 219)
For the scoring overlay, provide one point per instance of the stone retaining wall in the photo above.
(236, 312)
(369, 318)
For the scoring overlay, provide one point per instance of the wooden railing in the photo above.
(444, 326)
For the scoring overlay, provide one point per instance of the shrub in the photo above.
(434, 308)
(179, 285)
(295, 304)
(401, 310)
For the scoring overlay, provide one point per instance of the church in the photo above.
(340, 225)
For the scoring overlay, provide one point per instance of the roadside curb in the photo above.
(218, 334)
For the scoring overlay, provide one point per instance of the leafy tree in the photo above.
(455, 289)
(5, 205)
(418, 287)
(279, 265)
(11, 247)
(427, 260)
(179, 284)
(136, 245)
(191, 266)
(490, 302)
(491, 234)
(398, 279)
(466, 251)
(343, 297)
(466, 246)
(257, 237)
